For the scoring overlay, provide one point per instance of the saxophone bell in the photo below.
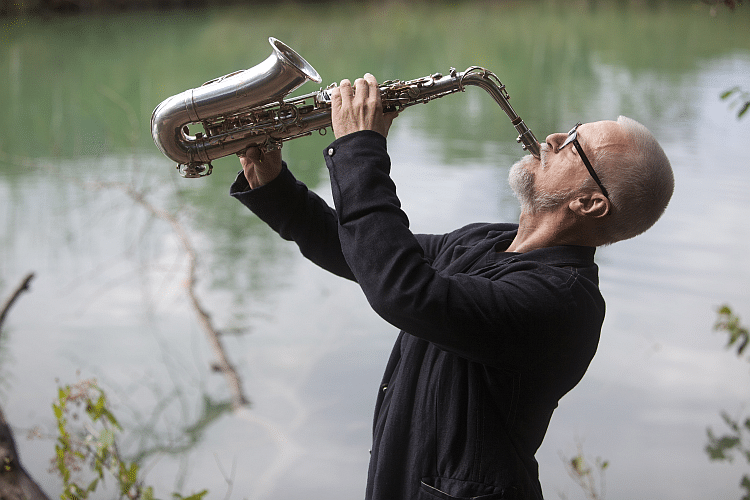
(218, 105)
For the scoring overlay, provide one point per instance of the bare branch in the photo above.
(24, 286)
(212, 334)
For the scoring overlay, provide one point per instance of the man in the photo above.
(498, 321)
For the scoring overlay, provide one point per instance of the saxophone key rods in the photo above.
(248, 108)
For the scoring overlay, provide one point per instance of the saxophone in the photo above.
(248, 108)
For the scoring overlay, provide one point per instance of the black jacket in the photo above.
(490, 341)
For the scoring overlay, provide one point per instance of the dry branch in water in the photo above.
(24, 286)
(15, 482)
(212, 334)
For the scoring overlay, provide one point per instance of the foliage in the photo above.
(585, 475)
(741, 98)
(737, 440)
(739, 94)
(94, 445)
(729, 322)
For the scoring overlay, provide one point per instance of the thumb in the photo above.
(388, 120)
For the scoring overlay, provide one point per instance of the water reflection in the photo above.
(110, 297)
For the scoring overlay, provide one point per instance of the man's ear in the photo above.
(594, 205)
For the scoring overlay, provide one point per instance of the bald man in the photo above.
(498, 321)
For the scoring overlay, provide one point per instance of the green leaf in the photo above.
(725, 310)
(95, 410)
(717, 448)
(745, 483)
(195, 496)
(744, 109)
(92, 485)
(111, 418)
(731, 423)
(107, 438)
(63, 393)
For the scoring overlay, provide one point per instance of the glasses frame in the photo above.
(573, 137)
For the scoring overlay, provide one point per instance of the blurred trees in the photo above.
(10, 7)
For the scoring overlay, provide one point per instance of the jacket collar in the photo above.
(559, 256)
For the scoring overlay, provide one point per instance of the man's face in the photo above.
(545, 184)
(522, 179)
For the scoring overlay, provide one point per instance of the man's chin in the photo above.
(521, 180)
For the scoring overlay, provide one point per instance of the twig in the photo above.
(24, 286)
(581, 472)
(229, 479)
(212, 334)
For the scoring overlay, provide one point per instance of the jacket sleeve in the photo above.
(298, 215)
(479, 318)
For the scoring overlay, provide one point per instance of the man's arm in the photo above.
(270, 191)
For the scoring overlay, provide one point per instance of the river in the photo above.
(109, 295)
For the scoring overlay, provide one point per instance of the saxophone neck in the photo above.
(491, 83)
(397, 95)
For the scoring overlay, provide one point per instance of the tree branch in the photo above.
(222, 365)
(24, 286)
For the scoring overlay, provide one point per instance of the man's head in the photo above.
(635, 179)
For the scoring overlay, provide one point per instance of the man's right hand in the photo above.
(260, 168)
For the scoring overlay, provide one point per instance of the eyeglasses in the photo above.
(573, 137)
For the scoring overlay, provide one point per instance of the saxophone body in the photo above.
(249, 108)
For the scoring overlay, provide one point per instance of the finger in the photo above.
(253, 155)
(372, 86)
(372, 82)
(273, 156)
(248, 165)
(336, 97)
(345, 88)
(362, 89)
(388, 120)
(389, 117)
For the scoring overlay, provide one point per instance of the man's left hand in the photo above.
(361, 110)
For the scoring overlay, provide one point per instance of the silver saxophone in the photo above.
(248, 108)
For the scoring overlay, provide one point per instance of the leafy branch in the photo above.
(730, 323)
(740, 98)
(585, 474)
(737, 440)
(94, 446)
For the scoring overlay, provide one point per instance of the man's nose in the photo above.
(554, 140)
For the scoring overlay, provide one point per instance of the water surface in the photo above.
(109, 297)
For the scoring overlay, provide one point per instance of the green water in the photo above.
(83, 86)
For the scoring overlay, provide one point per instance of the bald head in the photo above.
(638, 176)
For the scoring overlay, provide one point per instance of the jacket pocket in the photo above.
(453, 489)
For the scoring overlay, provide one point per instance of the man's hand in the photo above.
(260, 168)
(363, 110)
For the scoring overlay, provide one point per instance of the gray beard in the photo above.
(522, 182)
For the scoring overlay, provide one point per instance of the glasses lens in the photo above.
(571, 136)
(567, 141)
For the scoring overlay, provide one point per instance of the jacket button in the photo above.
(330, 151)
